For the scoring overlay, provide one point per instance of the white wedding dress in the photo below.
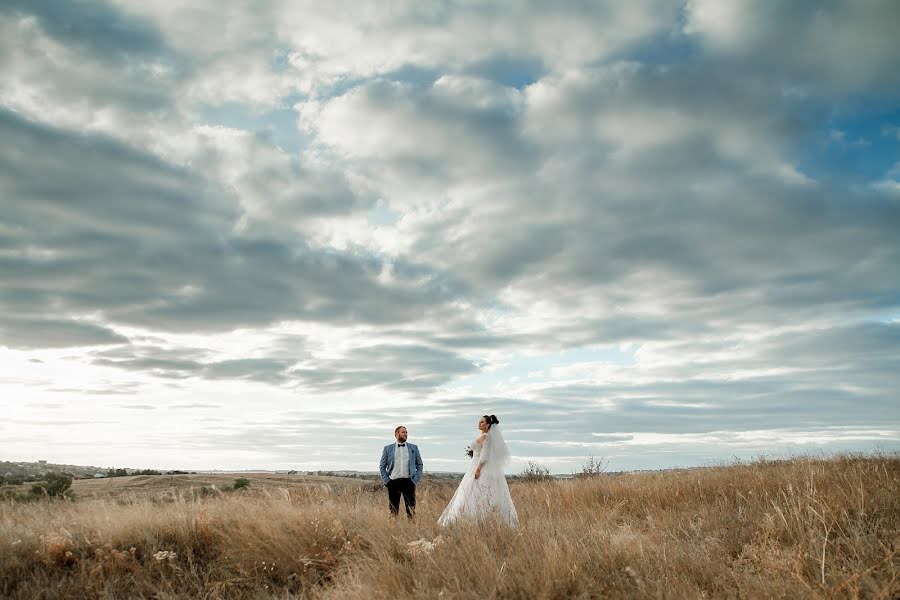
(488, 496)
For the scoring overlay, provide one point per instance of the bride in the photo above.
(483, 491)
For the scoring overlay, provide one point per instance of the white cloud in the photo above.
(59, 84)
(342, 42)
(844, 47)
(595, 219)
(458, 122)
(631, 108)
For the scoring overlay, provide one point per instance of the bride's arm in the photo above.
(483, 440)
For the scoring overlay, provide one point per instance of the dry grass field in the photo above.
(805, 528)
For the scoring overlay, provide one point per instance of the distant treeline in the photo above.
(128, 473)
(17, 473)
(352, 474)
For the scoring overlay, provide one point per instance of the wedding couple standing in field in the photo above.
(483, 492)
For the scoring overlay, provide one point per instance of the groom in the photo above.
(401, 470)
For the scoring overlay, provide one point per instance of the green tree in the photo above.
(241, 482)
(54, 485)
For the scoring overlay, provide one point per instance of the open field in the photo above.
(150, 486)
(806, 528)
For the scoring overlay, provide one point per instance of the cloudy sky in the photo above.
(260, 235)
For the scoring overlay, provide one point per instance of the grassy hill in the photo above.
(805, 528)
(30, 471)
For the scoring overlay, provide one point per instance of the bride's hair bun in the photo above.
(495, 420)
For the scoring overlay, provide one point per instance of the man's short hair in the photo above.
(399, 427)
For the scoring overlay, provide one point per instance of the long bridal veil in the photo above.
(495, 454)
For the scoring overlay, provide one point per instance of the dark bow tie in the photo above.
(401, 445)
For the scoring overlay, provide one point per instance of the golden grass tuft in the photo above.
(803, 528)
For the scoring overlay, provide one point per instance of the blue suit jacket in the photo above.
(416, 466)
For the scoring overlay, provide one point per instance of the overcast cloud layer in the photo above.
(262, 236)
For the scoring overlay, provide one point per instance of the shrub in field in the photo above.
(592, 468)
(208, 491)
(54, 485)
(241, 482)
(13, 495)
(535, 472)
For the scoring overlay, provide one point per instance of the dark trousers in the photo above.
(407, 488)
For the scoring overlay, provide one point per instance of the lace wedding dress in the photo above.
(488, 496)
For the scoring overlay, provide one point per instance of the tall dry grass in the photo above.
(806, 528)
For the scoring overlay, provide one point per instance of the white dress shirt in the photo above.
(401, 462)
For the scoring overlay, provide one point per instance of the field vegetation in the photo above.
(802, 528)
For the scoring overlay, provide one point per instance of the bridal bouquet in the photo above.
(469, 452)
